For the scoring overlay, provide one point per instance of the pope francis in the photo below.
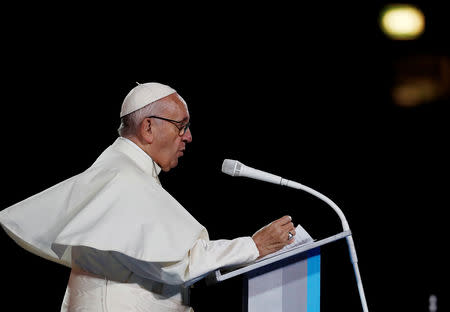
(130, 245)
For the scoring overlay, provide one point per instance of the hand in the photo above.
(274, 236)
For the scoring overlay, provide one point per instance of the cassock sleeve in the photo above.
(205, 256)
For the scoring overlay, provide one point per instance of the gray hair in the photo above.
(129, 124)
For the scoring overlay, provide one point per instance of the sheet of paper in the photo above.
(301, 237)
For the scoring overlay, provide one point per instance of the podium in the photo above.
(286, 282)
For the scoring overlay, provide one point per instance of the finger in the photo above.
(291, 235)
(290, 241)
(288, 226)
(283, 220)
(286, 235)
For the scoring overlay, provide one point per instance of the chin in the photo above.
(170, 166)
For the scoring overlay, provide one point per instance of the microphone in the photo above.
(237, 169)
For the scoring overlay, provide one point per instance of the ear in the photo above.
(145, 130)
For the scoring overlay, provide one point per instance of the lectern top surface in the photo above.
(226, 273)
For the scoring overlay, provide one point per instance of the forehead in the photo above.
(175, 107)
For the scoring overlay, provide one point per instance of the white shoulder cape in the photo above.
(117, 204)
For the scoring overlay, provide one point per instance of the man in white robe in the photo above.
(130, 244)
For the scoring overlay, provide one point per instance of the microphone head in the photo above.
(231, 167)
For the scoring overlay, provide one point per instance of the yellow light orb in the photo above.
(402, 21)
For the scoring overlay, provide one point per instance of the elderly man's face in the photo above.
(168, 144)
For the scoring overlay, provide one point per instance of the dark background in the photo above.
(300, 91)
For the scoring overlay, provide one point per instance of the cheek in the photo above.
(170, 147)
(177, 145)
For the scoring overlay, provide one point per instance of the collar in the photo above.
(138, 155)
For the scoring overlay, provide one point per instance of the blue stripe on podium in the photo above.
(313, 282)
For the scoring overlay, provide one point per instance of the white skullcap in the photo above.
(142, 95)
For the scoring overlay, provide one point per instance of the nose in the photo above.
(187, 137)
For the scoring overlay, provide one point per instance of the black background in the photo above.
(299, 91)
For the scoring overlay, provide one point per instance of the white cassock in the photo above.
(129, 243)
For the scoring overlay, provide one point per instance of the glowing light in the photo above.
(402, 21)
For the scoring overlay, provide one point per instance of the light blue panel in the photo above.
(313, 290)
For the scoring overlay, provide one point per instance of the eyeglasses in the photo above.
(182, 129)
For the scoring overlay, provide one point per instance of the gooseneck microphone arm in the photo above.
(235, 168)
(345, 227)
